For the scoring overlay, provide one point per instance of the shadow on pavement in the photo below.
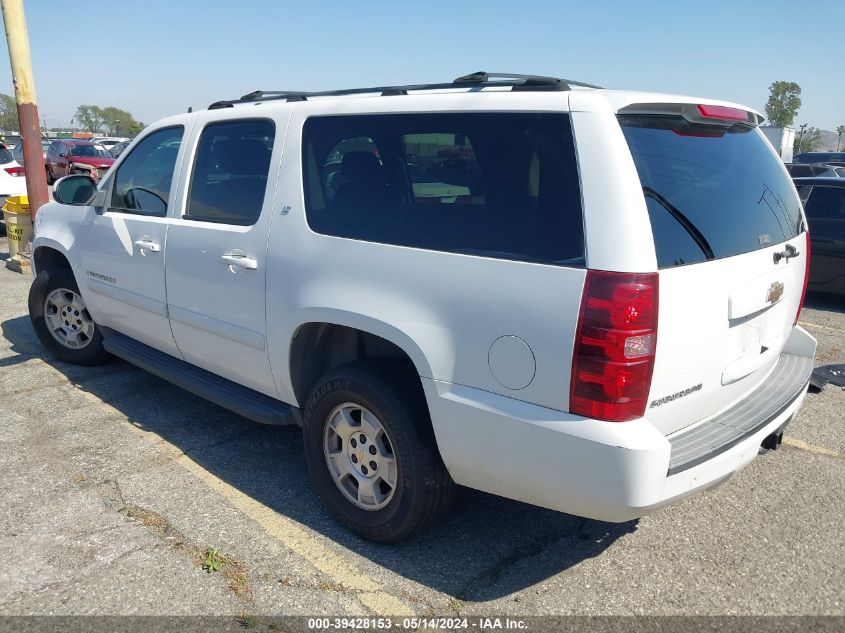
(486, 547)
(822, 301)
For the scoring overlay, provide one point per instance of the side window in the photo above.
(826, 203)
(142, 183)
(231, 167)
(443, 169)
(333, 176)
(486, 184)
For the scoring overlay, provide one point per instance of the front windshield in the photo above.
(90, 151)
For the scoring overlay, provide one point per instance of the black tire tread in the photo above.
(49, 279)
(400, 387)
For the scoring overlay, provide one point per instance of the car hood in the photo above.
(94, 161)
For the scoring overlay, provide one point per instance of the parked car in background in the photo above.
(804, 170)
(17, 153)
(829, 158)
(824, 206)
(71, 156)
(12, 177)
(10, 140)
(117, 149)
(108, 141)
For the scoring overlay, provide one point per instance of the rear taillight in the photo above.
(806, 275)
(15, 171)
(614, 346)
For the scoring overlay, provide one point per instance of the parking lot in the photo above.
(116, 486)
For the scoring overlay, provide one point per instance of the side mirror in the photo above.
(63, 155)
(77, 190)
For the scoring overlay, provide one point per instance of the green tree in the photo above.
(120, 122)
(90, 117)
(8, 114)
(783, 104)
(810, 141)
(840, 131)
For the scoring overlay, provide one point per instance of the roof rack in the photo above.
(478, 79)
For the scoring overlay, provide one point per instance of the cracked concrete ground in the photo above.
(115, 485)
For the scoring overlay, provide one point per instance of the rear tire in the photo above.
(371, 451)
(62, 322)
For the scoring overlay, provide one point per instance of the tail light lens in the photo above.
(15, 171)
(722, 112)
(806, 276)
(614, 346)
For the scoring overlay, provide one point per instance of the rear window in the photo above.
(711, 192)
(486, 184)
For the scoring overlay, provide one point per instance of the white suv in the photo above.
(578, 298)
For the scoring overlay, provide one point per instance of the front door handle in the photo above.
(239, 259)
(147, 244)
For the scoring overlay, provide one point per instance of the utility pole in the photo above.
(18, 40)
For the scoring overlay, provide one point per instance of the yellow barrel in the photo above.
(18, 223)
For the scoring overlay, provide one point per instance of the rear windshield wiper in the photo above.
(689, 227)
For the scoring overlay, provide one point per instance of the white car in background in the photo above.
(108, 141)
(592, 307)
(12, 177)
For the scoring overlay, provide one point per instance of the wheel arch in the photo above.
(49, 254)
(332, 338)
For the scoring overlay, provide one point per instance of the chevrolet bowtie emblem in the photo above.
(775, 292)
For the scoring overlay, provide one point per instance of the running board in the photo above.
(221, 391)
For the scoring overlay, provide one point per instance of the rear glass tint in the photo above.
(486, 184)
(711, 192)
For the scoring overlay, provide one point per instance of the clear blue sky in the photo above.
(156, 57)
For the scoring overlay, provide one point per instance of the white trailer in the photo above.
(782, 139)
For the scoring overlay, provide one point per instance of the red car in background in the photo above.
(70, 156)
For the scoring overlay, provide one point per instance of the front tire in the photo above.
(62, 322)
(371, 451)
(50, 179)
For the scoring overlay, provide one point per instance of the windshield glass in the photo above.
(711, 192)
(5, 156)
(91, 151)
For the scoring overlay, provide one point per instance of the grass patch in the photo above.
(212, 561)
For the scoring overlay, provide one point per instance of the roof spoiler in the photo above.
(702, 114)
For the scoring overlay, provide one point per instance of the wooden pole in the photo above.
(18, 40)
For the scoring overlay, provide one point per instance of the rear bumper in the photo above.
(601, 470)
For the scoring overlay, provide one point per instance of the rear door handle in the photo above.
(148, 245)
(240, 260)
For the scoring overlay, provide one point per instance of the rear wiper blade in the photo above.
(684, 221)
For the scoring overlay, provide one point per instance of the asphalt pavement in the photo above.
(120, 493)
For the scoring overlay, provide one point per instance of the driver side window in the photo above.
(142, 183)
